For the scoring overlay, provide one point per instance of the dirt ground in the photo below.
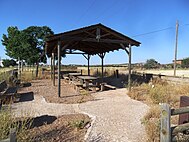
(68, 94)
(59, 128)
(66, 128)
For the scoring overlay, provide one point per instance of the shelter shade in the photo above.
(91, 40)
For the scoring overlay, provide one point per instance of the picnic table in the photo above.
(85, 80)
(73, 76)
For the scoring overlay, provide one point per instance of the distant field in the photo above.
(5, 69)
(184, 73)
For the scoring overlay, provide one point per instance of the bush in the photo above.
(151, 63)
(8, 63)
(185, 63)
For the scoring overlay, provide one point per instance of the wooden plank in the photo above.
(180, 111)
(180, 128)
(110, 86)
(184, 102)
(165, 132)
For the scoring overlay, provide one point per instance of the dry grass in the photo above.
(158, 91)
(28, 76)
(8, 121)
(152, 124)
(4, 76)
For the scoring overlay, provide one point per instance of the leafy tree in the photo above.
(185, 63)
(7, 62)
(39, 37)
(151, 63)
(27, 44)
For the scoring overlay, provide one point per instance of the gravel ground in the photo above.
(39, 106)
(115, 116)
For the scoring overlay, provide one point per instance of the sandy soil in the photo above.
(184, 73)
(115, 117)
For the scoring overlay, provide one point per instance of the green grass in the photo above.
(80, 124)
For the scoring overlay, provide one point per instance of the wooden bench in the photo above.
(7, 94)
(109, 86)
(77, 85)
(105, 86)
(90, 85)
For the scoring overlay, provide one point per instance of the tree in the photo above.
(185, 63)
(27, 44)
(7, 62)
(151, 63)
(39, 37)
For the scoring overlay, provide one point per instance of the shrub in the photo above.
(151, 63)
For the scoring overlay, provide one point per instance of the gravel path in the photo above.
(39, 106)
(117, 117)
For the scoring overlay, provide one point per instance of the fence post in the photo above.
(165, 132)
(13, 135)
(81, 72)
(117, 73)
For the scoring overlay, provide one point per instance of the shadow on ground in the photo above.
(121, 81)
(36, 122)
(26, 84)
(24, 97)
(43, 120)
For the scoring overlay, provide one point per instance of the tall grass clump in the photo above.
(152, 124)
(156, 92)
(4, 76)
(8, 121)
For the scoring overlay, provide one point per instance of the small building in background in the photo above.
(178, 62)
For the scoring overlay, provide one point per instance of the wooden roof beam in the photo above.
(71, 38)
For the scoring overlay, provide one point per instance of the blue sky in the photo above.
(130, 17)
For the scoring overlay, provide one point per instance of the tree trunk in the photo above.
(37, 69)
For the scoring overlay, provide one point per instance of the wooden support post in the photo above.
(19, 67)
(53, 68)
(165, 132)
(117, 73)
(129, 77)
(22, 66)
(175, 61)
(102, 60)
(88, 58)
(59, 69)
(81, 72)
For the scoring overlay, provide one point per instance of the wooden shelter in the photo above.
(92, 40)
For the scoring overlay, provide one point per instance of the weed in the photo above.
(79, 124)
